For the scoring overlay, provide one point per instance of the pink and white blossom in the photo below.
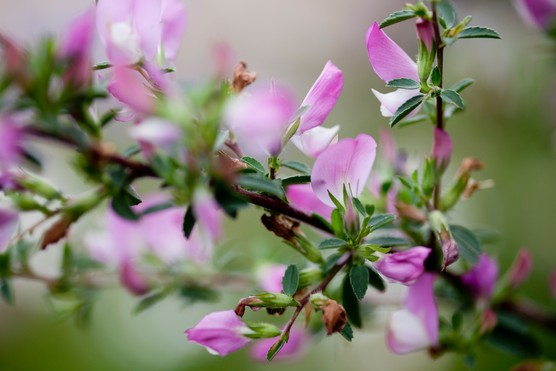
(404, 267)
(481, 279)
(302, 197)
(270, 277)
(347, 163)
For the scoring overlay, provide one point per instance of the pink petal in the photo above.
(295, 346)
(270, 277)
(146, 24)
(388, 60)
(442, 148)
(482, 278)
(538, 13)
(79, 36)
(173, 20)
(129, 88)
(348, 163)
(425, 32)
(132, 279)
(404, 267)
(390, 102)
(9, 220)
(156, 134)
(208, 213)
(219, 332)
(420, 302)
(314, 141)
(109, 12)
(302, 197)
(11, 137)
(322, 97)
(521, 268)
(406, 333)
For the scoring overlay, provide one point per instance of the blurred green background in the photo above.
(509, 124)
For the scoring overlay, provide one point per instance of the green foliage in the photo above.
(478, 33)
(399, 16)
(351, 304)
(332, 243)
(188, 222)
(297, 166)
(452, 97)
(253, 164)
(469, 246)
(290, 281)
(256, 182)
(403, 84)
(359, 280)
(406, 108)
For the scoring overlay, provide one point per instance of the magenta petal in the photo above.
(314, 141)
(208, 214)
(173, 20)
(442, 148)
(79, 36)
(425, 32)
(146, 24)
(132, 279)
(388, 60)
(404, 267)
(322, 97)
(128, 87)
(270, 277)
(390, 102)
(219, 332)
(521, 268)
(302, 197)
(538, 13)
(482, 278)
(420, 301)
(347, 163)
(8, 224)
(295, 346)
(11, 138)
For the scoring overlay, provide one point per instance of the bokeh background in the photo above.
(509, 124)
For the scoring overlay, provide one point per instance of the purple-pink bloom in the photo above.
(314, 141)
(8, 224)
(415, 327)
(77, 46)
(425, 32)
(404, 267)
(132, 279)
(442, 148)
(390, 62)
(347, 163)
(270, 277)
(482, 278)
(127, 86)
(294, 348)
(208, 213)
(11, 136)
(220, 333)
(540, 14)
(302, 197)
(156, 134)
(259, 121)
(322, 97)
(521, 268)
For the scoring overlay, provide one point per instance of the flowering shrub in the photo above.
(217, 149)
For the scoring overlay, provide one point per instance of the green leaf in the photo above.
(290, 281)
(351, 304)
(453, 97)
(254, 182)
(292, 130)
(188, 222)
(468, 244)
(335, 201)
(347, 332)
(380, 220)
(387, 241)
(406, 108)
(228, 200)
(396, 17)
(131, 150)
(337, 221)
(436, 76)
(330, 262)
(359, 279)
(447, 13)
(6, 291)
(332, 243)
(359, 206)
(121, 204)
(462, 84)
(253, 164)
(150, 300)
(297, 166)
(296, 179)
(478, 33)
(375, 280)
(403, 83)
(275, 348)
(513, 342)
(158, 207)
(370, 209)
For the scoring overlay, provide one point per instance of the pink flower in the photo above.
(404, 267)
(540, 14)
(302, 197)
(390, 62)
(259, 121)
(415, 327)
(132, 30)
(220, 332)
(425, 32)
(77, 47)
(294, 348)
(156, 134)
(132, 279)
(442, 148)
(208, 213)
(127, 86)
(482, 278)
(11, 136)
(347, 163)
(521, 268)
(8, 224)
(316, 140)
(270, 277)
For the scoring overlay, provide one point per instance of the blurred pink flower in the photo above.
(294, 348)
(127, 86)
(302, 197)
(415, 327)
(208, 213)
(76, 46)
(442, 148)
(482, 278)
(347, 163)
(220, 333)
(9, 220)
(154, 134)
(11, 136)
(270, 277)
(540, 14)
(132, 279)
(404, 267)
(521, 268)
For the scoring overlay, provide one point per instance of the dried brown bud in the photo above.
(242, 77)
(470, 164)
(281, 226)
(57, 231)
(411, 212)
(334, 316)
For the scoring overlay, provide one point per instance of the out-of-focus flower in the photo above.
(76, 48)
(347, 163)
(425, 32)
(482, 278)
(404, 267)
(156, 134)
(316, 140)
(415, 327)
(11, 138)
(442, 149)
(521, 268)
(132, 279)
(294, 348)
(208, 213)
(220, 333)
(132, 30)
(260, 120)
(390, 62)
(302, 197)
(540, 14)
(127, 86)
(270, 277)
(8, 225)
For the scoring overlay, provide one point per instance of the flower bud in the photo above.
(334, 315)
(450, 249)
(520, 269)
(262, 330)
(39, 187)
(404, 267)
(132, 279)
(427, 51)
(488, 321)
(442, 149)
